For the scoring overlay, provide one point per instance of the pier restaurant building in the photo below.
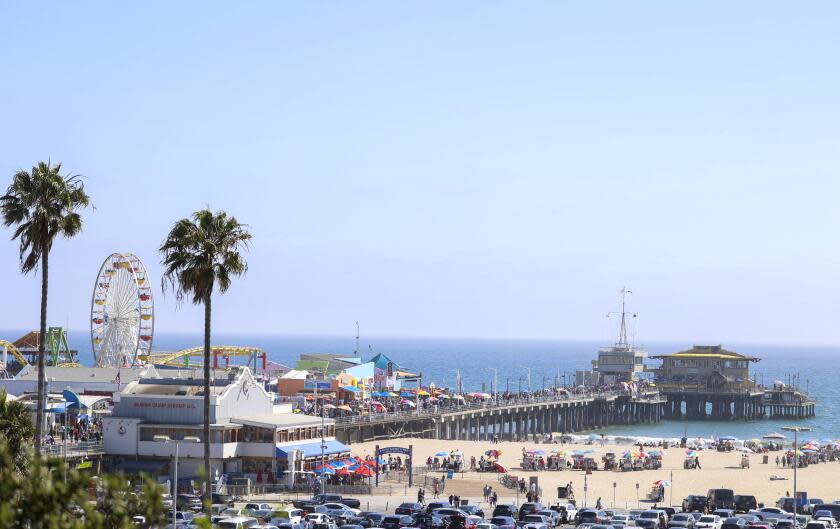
(250, 435)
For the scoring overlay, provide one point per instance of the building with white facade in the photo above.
(250, 435)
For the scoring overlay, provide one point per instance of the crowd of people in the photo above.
(76, 430)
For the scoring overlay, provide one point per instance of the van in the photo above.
(720, 499)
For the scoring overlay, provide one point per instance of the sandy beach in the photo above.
(719, 470)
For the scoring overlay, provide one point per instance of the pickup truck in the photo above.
(320, 499)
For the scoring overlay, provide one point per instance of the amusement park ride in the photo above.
(122, 316)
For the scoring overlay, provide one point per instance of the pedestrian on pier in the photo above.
(421, 495)
(435, 489)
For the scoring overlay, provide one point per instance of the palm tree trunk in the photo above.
(42, 340)
(207, 477)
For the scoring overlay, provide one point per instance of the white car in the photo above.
(771, 514)
(553, 517)
(620, 520)
(708, 521)
(571, 511)
(258, 507)
(238, 522)
(486, 525)
(316, 517)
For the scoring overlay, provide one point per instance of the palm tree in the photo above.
(16, 430)
(200, 254)
(42, 204)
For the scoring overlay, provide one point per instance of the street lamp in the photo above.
(495, 384)
(167, 439)
(795, 430)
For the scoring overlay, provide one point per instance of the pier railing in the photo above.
(73, 449)
(489, 404)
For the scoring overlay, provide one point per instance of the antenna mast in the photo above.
(622, 333)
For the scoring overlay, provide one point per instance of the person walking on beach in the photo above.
(598, 505)
(697, 462)
(452, 499)
(420, 495)
(494, 499)
(435, 489)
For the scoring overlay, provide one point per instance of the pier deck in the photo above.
(511, 419)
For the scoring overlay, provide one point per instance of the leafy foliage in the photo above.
(42, 204)
(16, 431)
(202, 253)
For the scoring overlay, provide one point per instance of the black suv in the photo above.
(529, 508)
(744, 503)
(409, 508)
(506, 510)
(694, 503)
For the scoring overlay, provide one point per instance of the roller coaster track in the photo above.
(10, 347)
(184, 357)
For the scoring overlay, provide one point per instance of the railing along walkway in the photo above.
(489, 404)
(73, 449)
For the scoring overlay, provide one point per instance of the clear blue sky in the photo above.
(495, 169)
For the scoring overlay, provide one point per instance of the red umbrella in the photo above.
(259, 476)
(342, 472)
(364, 471)
(499, 468)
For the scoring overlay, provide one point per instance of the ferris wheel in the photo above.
(121, 312)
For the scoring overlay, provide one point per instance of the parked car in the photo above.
(682, 520)
(552, 517)
(650, 519)
(745, 503)
(634, 513)
(320, 499)
(314, 518)
(529, 508)
(486, 525)
(787, 524)
(771, 514)
(503, 522)
(397, 521)
(505, 509)
(409, 508)
(432, 505)
(720, 499)
(567, 511)
(591, 516)
(369, 519)
(619, 521)
(724, 513)
(288, 515)
(833, 507)
(473, 510)
(734, 523)
(816, 524)
(708, 521)
(237, 522)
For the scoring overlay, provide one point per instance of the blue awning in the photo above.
(313, 449)
(354, 389)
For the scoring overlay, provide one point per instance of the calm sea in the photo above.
(442, 360)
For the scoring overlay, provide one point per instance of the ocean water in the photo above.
(442, 360)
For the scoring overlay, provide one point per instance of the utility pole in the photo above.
(795, 430)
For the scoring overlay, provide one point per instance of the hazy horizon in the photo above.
(471, 170)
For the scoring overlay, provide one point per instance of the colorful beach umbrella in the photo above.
(662, 483)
